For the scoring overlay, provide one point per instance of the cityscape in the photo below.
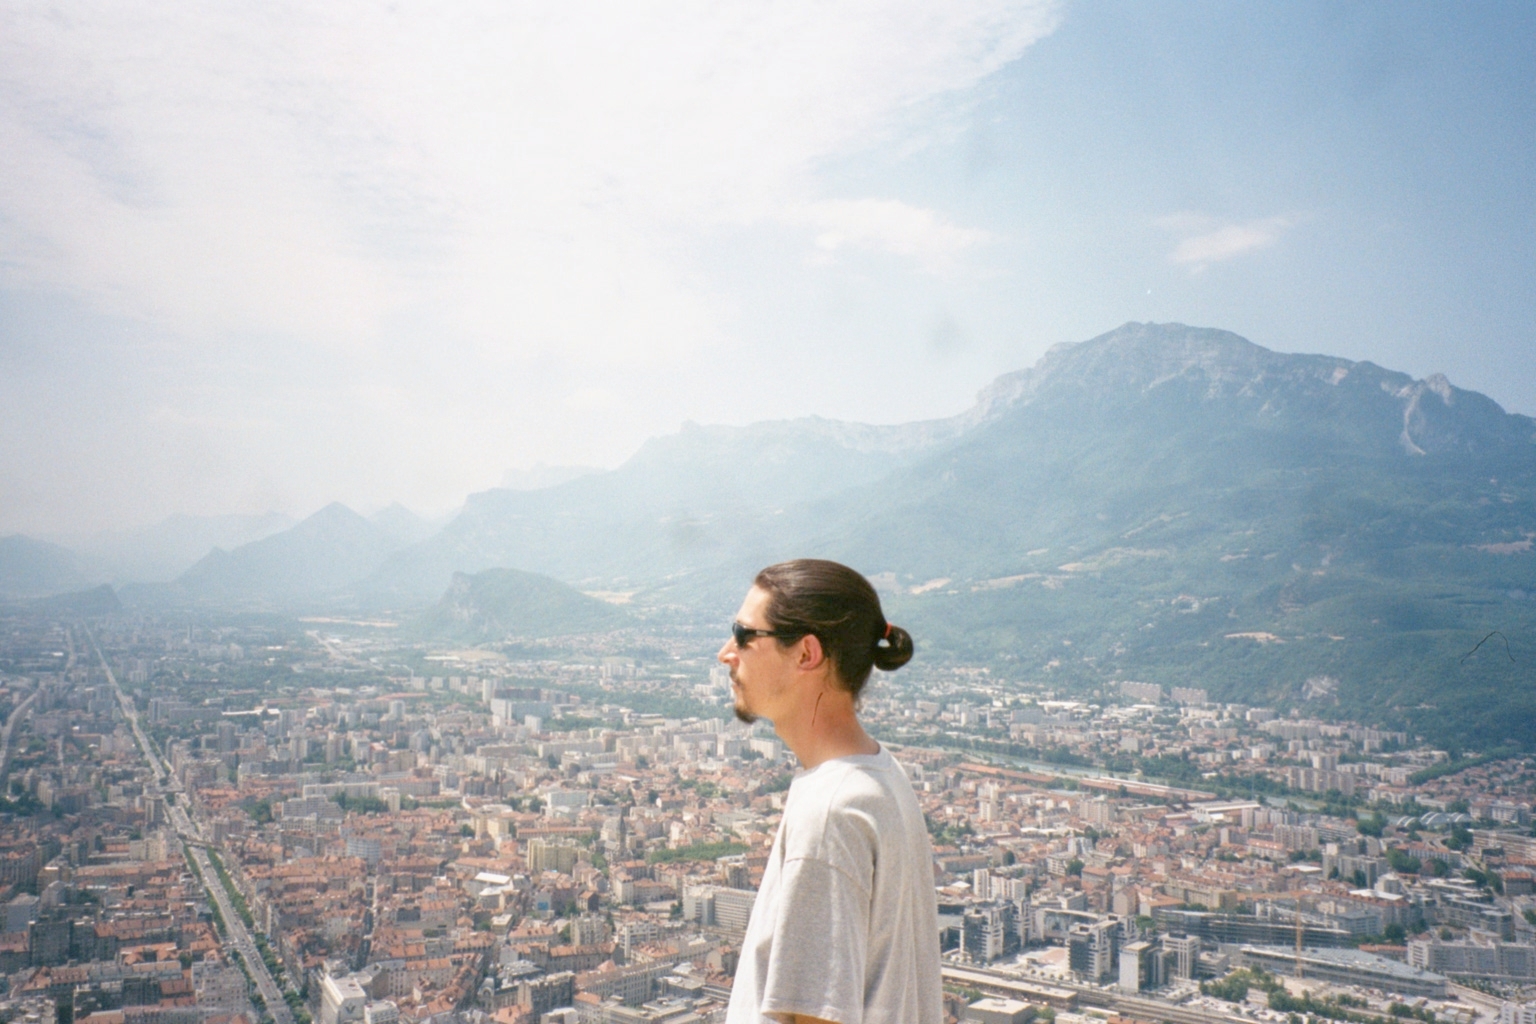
(294, 821)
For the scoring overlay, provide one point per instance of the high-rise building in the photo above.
(1091, 949)
(1185, 950)
(1137, 967)
(985, 932)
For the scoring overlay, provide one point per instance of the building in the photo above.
(995, 1010)
(342, 1000)
(1347, 967)
(365, 847)
(1092, 949)
(220, 986)
(540, 995)
(1514, 961)
(548, 856)
(1137, 967)
(719, 906)
(1517, 1013)
(1184, 953)
(382, 1012)
(985, 931)
(733, 908)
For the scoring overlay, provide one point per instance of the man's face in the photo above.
(760, 671)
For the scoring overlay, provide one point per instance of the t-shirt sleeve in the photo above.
(820, 935)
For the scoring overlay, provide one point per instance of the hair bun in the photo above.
(894, 649)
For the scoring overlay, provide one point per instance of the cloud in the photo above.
(444, 238)
(890, 226)
(1208, 241)
(314, 169)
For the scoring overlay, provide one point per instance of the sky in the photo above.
(267, 256)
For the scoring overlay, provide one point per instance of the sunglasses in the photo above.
(743, 636)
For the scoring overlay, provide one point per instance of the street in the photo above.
(189, 833)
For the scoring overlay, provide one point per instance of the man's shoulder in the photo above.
(872, 785)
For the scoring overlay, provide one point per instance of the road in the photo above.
(190, 833)
(17, 714)
(21, 711)
(131, 713)
(240, 938)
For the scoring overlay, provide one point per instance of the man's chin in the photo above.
(743, 715)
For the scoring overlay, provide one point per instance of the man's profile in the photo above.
(845, 927)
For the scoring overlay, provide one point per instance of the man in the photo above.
(846, 926)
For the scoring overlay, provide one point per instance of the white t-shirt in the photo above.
(846, 924)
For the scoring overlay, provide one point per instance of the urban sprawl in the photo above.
(327, 823)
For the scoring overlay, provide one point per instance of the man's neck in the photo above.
(830, 729)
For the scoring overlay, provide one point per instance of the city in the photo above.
(297, 821)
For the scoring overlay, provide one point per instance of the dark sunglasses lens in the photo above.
(741, 634)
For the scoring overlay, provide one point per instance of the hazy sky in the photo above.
(264, 256)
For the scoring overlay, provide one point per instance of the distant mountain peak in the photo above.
(1138, 360)
(37, 568)
(334, 512)
(1142, 356)
(319, 558)
(402, 524)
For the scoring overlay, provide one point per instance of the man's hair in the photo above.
(811, 596)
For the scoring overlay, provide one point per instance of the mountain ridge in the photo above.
(1140, 505)
(318, 559)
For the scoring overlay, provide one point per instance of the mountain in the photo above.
(402, 525)
(97, 601)
(1182, 506)
(501, 603)
(171, 547)
(1159, 433)
(317, 560)
(681, 504)
(34, 568)
(1163, 502)
(541, 476)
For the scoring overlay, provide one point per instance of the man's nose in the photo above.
(727, 652)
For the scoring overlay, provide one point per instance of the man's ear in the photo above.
(812, 656)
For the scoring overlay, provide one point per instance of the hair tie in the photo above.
(887, 634)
